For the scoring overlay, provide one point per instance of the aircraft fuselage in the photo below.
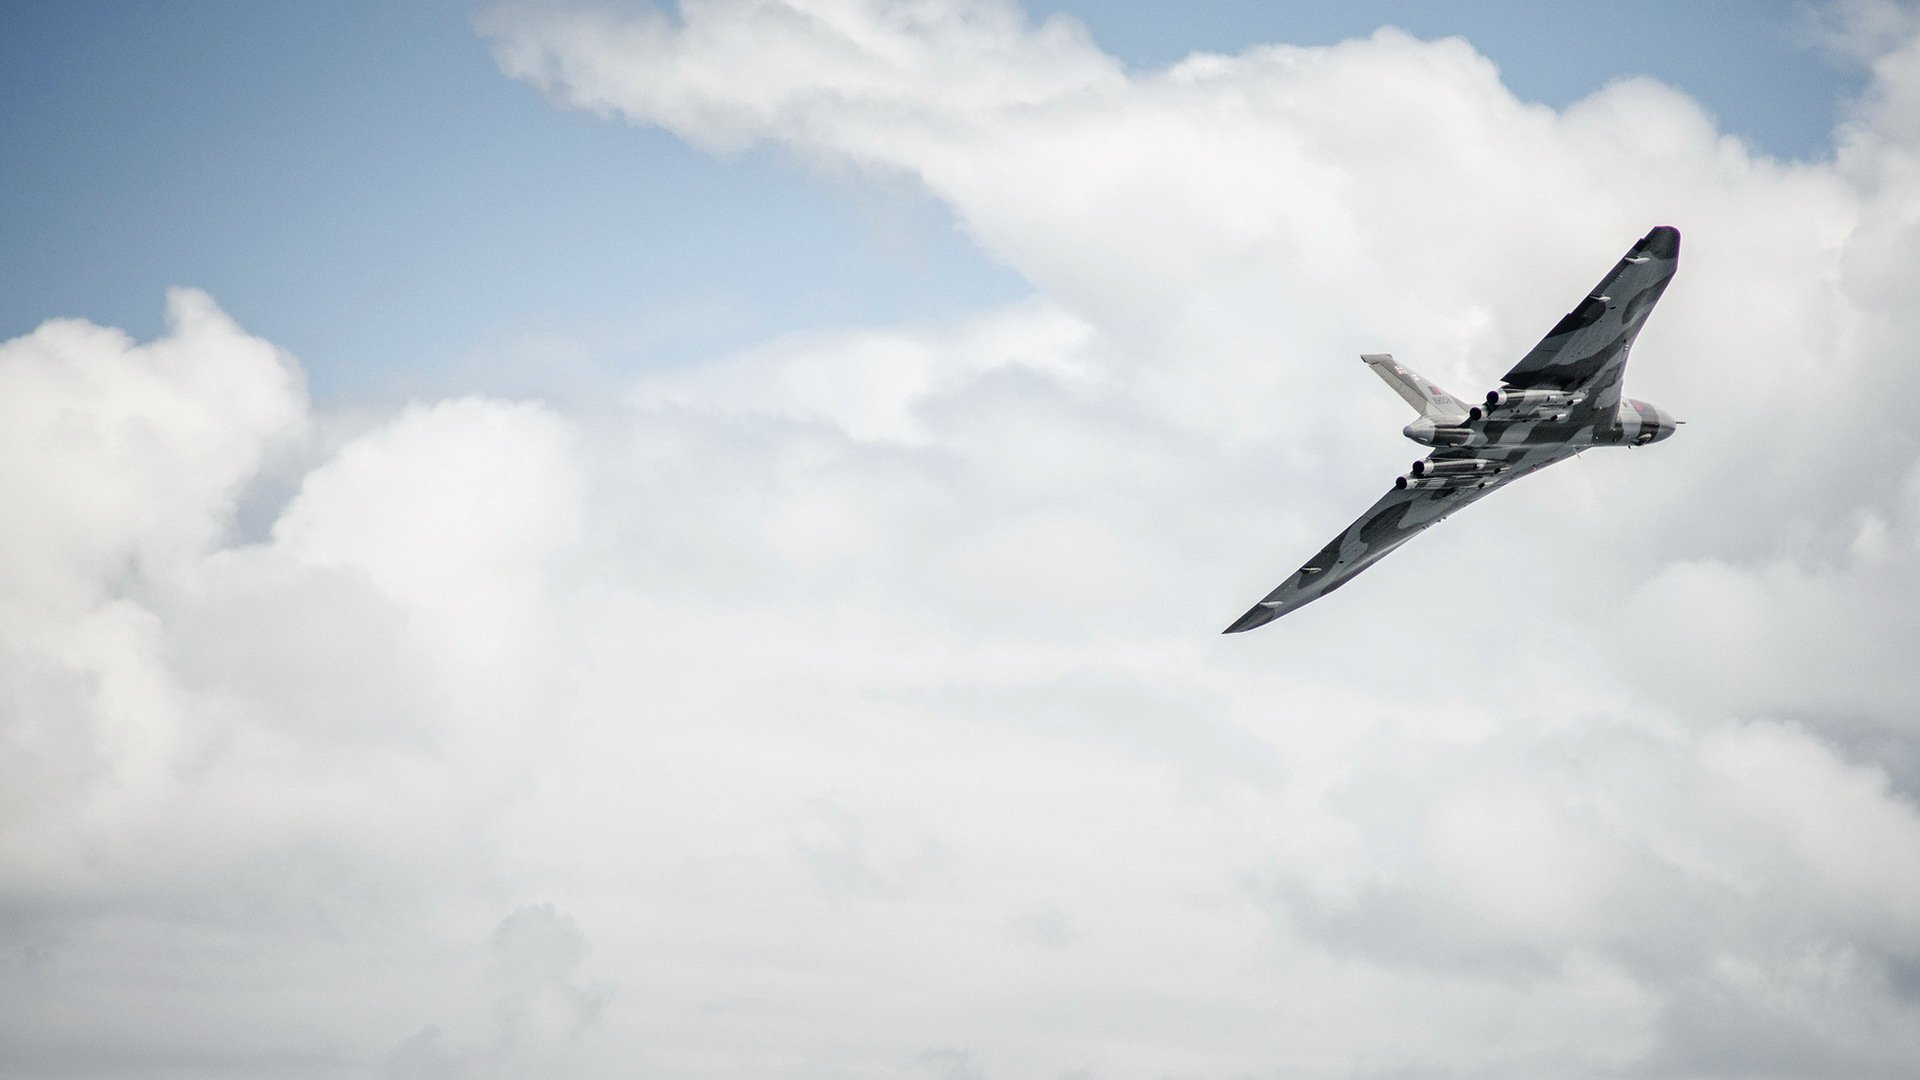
(1634, 423)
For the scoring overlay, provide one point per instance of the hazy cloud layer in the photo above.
(854, 705)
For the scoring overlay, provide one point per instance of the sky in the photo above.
(561, 540)
(357, 181)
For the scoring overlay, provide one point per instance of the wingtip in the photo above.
(1257, 616)
(1663, 242)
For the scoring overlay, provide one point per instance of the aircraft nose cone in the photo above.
(1667, 425)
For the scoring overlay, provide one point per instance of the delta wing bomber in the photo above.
(1563, 397)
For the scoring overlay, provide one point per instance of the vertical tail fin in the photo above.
(1432, 402)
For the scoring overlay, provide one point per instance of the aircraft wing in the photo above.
(1399, 516)
(1587, 350)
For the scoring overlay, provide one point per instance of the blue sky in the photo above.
(359, 183)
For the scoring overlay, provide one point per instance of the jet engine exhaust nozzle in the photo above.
(1420, 483)
(1454, 467)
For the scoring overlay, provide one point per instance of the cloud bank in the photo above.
(853, 705)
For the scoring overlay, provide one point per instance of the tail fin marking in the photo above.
(1429, 400)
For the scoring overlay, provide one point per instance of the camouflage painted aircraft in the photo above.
(1560, 399)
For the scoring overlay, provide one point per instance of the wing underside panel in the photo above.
(1588, 348)
(1399, 516)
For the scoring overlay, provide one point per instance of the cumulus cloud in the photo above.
(538, 1014)
(213, 742)
(862, 690)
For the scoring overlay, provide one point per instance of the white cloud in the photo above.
(861, 690)
(121, 456)
(539, 1011)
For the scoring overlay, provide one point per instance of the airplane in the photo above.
(1562, 398)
